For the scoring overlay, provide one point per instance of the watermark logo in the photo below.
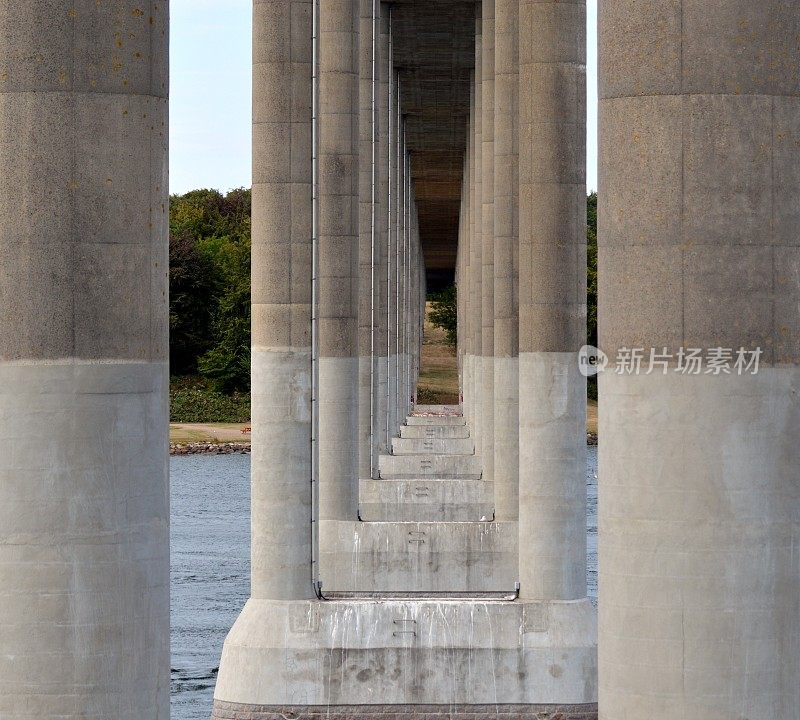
(591, 360)
(685, 361)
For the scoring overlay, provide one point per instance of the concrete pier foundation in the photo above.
(699, 495)
(84, 494)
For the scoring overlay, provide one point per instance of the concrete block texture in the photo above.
(280, 472)
(84, 510)
(430, 465)
(434, 431)
(425, 500)
(429, 445)
(418, 557)
(84, 540)
(431, 652)
(699, 517)
(552, 168)
(552, 476)
(435, 421)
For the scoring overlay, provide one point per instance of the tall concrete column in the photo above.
(382, 435)
(402, 212)
(391, 246)
(506, 267)
(281, 301)
(476, 246)
(552, 299)
(338, 259)
(84, 502)
(367, 245)
(467, 218)
(700, 502)
(487, 237)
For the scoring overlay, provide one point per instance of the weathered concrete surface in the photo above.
(338, 277)
(239, 711)
(421, 500)
(418, 556)
(281, 304)
(472, 652)
(434, 431)
(552, 298)
(383, 434)
(84, 498)
(435, 420)
(439, 446)
(398, 467)
(506, 259)
(699, 497)
(487, 236)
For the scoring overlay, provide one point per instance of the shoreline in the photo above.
(243, 448)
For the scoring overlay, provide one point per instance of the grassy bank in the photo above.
(194, 400)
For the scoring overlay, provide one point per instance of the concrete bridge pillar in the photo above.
(84, 509)
(400, 230)
(338, 259)
(281, 301)
(383, 68)
(552, 300)
(367, 243)
(463, 277)
(487, 236)
(505, 263)
(391, 244)
(476, 242)
(699, 495)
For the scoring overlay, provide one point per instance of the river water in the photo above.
(210, 561)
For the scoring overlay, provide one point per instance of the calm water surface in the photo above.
(211, 564)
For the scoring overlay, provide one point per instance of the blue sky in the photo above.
(210, 94)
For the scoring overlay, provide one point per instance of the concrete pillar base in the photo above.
(238, 711)
(450, 653)
(418, 556)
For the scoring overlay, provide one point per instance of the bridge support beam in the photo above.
(338, 259)
(506, 265)
(700, 504)
(552, 299)
(84, 508)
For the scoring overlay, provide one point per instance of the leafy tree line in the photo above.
(209, 282)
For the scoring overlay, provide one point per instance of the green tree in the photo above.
(227, 363)
(191, 286)
(210, 286)
(444, 313)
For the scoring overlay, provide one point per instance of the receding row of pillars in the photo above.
(522, 282)
(356, 286)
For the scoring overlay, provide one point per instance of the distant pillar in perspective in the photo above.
(84, 510)
(505, 263)
(487, 238)
(699, 257)
(382, 438)
(338, 260)
(552, 299)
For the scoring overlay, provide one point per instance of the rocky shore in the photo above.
(243, 448)
(209, 448)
